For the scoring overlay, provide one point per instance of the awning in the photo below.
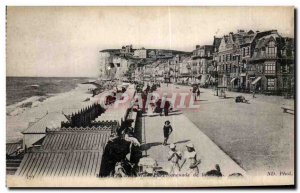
(256, 80)
(232, 80)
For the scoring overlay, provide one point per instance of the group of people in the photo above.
(161, 106)
(189, 158)
(115, 160)
(189, 161)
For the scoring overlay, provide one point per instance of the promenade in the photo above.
(255, 137)
(184, 132)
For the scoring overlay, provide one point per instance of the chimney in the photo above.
(197, 46)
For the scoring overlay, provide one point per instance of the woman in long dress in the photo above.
(190, 161)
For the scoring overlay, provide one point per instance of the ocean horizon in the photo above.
(19, 88)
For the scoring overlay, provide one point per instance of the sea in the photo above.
(21, 88)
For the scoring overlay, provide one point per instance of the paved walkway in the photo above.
(184, 132)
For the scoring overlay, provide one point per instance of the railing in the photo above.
(84, 116)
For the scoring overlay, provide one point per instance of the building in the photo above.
(255, 61)
(113, 66)
(159, 72)
(126, 50)
(185, 70)
(149, 72)
(121, 66)
(201, 61)
(160, 54)
(140, 53)
(272, 64)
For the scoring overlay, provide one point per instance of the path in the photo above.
(184, 132)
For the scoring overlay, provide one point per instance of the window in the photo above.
(285, 68)
(283, 52)
(244, 52)
(230, 57)
(247, 51)
(223, 58)
(201, 53)
(219, 58)
(270, 68)
(271, 84)
(118, 64)
(271, 50)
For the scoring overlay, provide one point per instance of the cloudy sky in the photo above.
(65, 41)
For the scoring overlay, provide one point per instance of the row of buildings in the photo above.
(243, 61)
(261, 61)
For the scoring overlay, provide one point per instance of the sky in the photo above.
(65, 41)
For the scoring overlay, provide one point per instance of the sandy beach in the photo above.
(20, 114)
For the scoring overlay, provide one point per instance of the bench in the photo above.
(286, 109)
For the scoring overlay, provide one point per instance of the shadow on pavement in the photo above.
(183, 141)
(147, 146)
(228, 98)
(177, 112)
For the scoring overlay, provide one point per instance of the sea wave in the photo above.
(20, 107)
(20, 88)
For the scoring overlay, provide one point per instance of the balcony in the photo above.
(264, 55)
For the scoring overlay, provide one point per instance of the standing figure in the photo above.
(253, 94)
(167, 131)
(167, 107)
(174, 156)
(198, 93)
(158, 108)
(190, 161)
(194, 90)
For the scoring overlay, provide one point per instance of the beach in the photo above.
(19, 115)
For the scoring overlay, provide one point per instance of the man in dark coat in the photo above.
(115, 151)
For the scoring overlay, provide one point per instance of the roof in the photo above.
(68, 152)
(262, 42)
(12, 147)
(53, 119)
(217, 42)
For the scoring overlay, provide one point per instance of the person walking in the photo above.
(174, 156)
(167, 131)
(194, 90)
(198, 93)
(190, 161)
(167, 107)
